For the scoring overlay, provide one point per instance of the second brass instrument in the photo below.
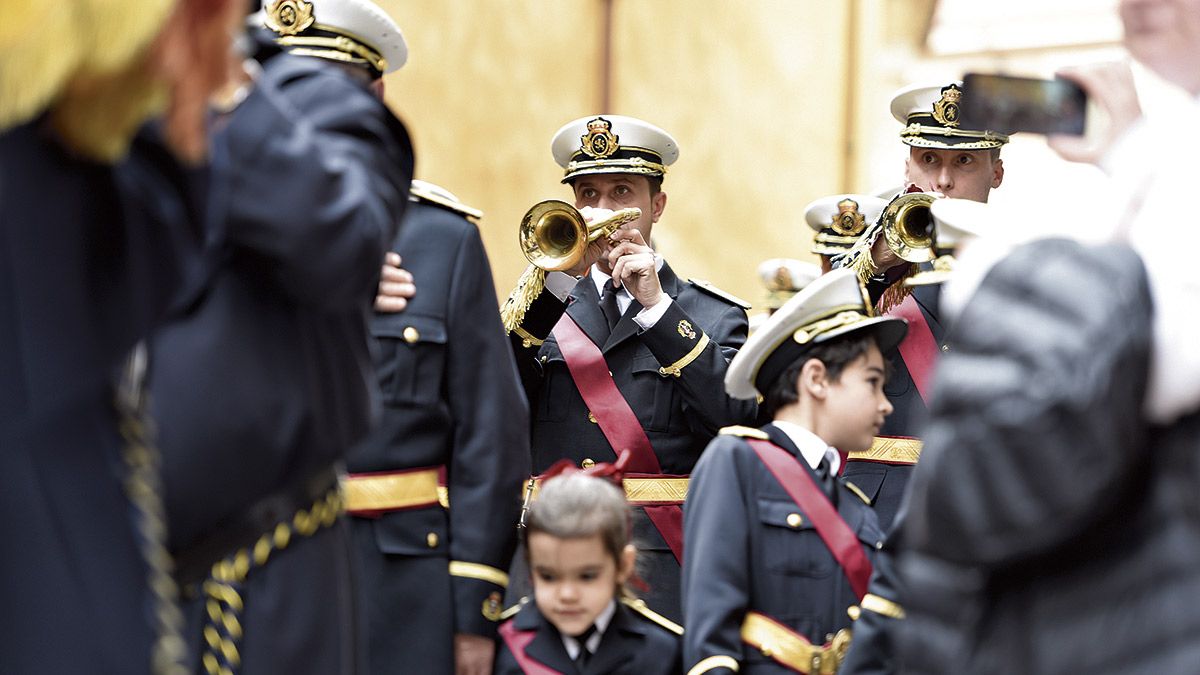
(908, 227)
(554, 235)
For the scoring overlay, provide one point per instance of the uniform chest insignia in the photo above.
(945, 110)
(492, 609)
(848, 221)
(685, 329)
(718, 293)
(599, 142)
(289, 17)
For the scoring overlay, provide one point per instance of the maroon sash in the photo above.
(834, 531)
(517, 641)
(919, 349)
(617, 421)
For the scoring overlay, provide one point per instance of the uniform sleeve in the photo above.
(873, 649)
(715, 585)
(1034, 422)
(527, 341)
(491, 443)
(697, 362)
(322, 171)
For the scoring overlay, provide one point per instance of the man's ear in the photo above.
(814, 379)
(658, 204)
(626, 563)
(997, 173)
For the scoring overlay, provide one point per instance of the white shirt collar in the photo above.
(812, 448)
(602, 620)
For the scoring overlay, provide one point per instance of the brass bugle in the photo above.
(908, 227)
(554, 235)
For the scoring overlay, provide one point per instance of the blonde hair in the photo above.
(578, 506)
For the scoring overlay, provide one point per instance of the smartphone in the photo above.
(1009, 104)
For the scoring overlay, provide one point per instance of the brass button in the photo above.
(945, 348)
(411, 335)
(431, 539)
(854, 612)
(794, 520)
(592, 418)
(588, 463)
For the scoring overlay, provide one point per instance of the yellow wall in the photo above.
(753, 92)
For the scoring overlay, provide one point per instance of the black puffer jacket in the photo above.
(1050, 529)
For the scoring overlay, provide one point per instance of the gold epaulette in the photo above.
(718, 293)
(640, 607)
(512, 611)
(428, 193)
(855, 489)
(744, 432)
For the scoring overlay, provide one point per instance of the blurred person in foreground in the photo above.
(101, 219)
(1052, 525)
(263, 382)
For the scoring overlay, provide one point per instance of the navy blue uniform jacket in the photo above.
(742, 554)
(451, 398)
(679, 414)
(631, 645)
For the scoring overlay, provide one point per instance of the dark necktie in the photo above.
(608, 305)
(584, 654)
(827, 480)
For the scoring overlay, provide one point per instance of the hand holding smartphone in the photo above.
(1008, 104)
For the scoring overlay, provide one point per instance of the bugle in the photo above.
(554, 235)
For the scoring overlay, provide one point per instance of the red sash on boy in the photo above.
(834, 531)
(517, 641)
(617, 421)
(919, 349)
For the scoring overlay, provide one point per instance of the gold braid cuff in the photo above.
(714, 662)
(470, 570)
(677, 367)
(527, 338)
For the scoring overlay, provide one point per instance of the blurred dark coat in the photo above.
(742, 555)
(451, 398)
(265, 380)
(1050, 529)
(90, 256)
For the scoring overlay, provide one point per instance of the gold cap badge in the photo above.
(289, 17)
(945, 110)
(848, 221)
(599, 142)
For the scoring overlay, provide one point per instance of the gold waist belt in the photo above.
(374, 493)
(788, 647)
(890, 449)
(640, 490)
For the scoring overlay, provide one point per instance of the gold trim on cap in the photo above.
(917, 129)
(340, 48)
(470, 570)
(626, 165)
